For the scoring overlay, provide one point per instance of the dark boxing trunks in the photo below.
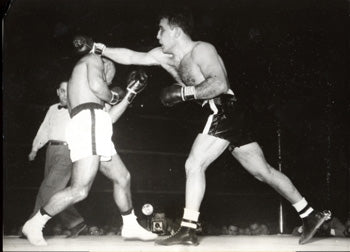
(229, 120)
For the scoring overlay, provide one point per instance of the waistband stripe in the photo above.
(93, 130)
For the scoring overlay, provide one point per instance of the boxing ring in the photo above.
(207, 243)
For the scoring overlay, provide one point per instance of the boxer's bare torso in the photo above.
(195, 67)
(87, 72)
(185, 70)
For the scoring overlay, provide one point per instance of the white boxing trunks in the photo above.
(89, 132)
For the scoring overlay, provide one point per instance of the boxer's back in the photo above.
(78, 90)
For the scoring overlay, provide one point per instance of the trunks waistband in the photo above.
(222, 103)
(222, 100)
(225, 98)
(88, 105)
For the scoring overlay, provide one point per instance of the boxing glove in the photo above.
(117, 95)
(84, 44)
(137, 81)
(176, 93)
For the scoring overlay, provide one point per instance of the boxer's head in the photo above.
(62, 93)
(171, 26)
(166, 35)
(181, 18)
(109, 70)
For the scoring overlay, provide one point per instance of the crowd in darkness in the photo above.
(332, 228)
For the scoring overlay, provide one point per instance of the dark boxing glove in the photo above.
(84, 45)
(137, 81)
(117, 95)
(176, 93)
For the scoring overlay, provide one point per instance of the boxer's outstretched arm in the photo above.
(129, 57)
(85, 44)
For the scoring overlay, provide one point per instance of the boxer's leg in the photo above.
(70, 217)
(58, 171)
(84, 172)
(205, 150)
(116, 171)
(252, 159)
(120, 176)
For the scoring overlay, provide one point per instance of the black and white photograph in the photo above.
(176, 125)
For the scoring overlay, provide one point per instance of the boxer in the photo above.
(89, 134)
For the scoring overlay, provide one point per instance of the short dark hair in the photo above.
(182, 18)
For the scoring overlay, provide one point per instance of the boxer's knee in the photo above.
(124, 180)
(79, 193)
(264, 174)
(252, 159)
(194, 165)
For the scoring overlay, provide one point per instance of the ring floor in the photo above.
(281, 243)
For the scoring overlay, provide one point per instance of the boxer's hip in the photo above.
(89, 132)
(229, 120)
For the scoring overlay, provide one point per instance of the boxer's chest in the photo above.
(189, 72)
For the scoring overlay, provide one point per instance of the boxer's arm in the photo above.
(213, 70)
(96, 79)
(137, 82)
(215, 81)
(129, 57)
(84, 44)
(116, 111)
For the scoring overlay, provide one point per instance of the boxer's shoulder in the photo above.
(90, 59)
(201, 47)
(156, 51)
(159, 55)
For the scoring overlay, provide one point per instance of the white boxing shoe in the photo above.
(136, 232)
(32, 229)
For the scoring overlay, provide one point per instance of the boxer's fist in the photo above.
(177, 93)
(117, 95)
(171, 95)
(137, 81)
(84, 45)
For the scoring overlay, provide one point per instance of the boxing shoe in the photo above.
(312, 223)
(133, 231)
(183, 236)
(33, 229)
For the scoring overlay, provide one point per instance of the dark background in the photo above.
(286, 60)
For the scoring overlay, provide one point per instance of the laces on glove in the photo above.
(98, 48)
